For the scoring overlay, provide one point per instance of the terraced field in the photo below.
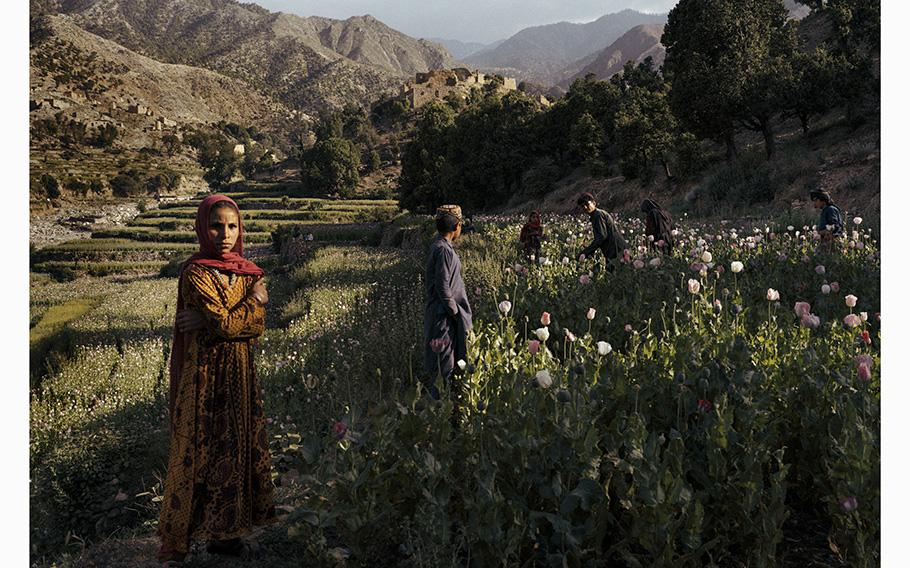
(163, 236)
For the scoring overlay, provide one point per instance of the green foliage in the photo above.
(374, 162)
(585, 139)
(331, 166)
(645, 126)
(106, 136)
(423, 159)
(171, 143)
(815, 87)
(127, 184)
(50, 186)
(729, 64)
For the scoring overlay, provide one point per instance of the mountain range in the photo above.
(541, 54)
(307, 63)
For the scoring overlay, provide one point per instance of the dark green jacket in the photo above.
(607, 237)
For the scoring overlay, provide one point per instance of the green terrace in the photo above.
(153, 234)
(253, 201)
(100, 268)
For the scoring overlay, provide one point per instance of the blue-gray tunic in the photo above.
(447, 313)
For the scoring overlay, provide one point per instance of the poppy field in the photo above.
(717, 405)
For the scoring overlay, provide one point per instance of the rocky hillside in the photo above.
(307, 63)
(541, 54)
(635, 45)
(96, 81)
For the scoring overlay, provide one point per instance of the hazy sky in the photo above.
(483, 21)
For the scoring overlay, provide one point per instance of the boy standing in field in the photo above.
(447, 314)
(607, 237)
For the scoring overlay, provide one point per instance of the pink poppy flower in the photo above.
(591, 313)
(570, 336)
(810, 321)
(545, 318)
(864, 359)
(533, 346)
(850, 300)
(584, 279)
(835, 287)
(801, 308)
(339, 429)
(852, 320)
(849, 504)
(694, 286)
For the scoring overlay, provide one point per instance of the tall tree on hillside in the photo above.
(857, 38)
(645, 131)
(424, 157)
(490, 147)
(814, 89)
(585, 141)
(331, 166)
(728, 61)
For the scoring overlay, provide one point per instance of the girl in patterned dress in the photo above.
(218, 483)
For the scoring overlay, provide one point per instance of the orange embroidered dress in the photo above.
(218, 482)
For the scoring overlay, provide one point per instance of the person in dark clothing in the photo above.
(447, 313)
(607, 237)
(831, 220)
(658, 224)
(531, 235)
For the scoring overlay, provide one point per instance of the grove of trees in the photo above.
(731, 66)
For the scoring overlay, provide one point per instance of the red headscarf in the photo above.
(231, 262)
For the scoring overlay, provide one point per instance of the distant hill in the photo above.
(460, 49)
(635, 45)
(541, 54)
(307, 63)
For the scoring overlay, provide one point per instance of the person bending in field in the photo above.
(218, 482)
(607, 237)
(447, 313)
(658, 225)
(532, 235)
(831, 220)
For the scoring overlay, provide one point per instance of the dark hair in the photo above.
(585, 197)
(820, 194)
(447, 223)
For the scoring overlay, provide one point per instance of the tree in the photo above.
(728, 63)
(374, 162)
(424, 157)
(126, 184)
(814, 89)
(107, 135)
(585, 140)
(220, 167)
(50, 186)
(645, 130)
(331, 166)
(171, 143)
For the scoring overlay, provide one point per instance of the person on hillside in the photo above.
(532, 235)
(831, 220)
(218, 482)
(607, 237)
(447, 313)
(658, 225)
